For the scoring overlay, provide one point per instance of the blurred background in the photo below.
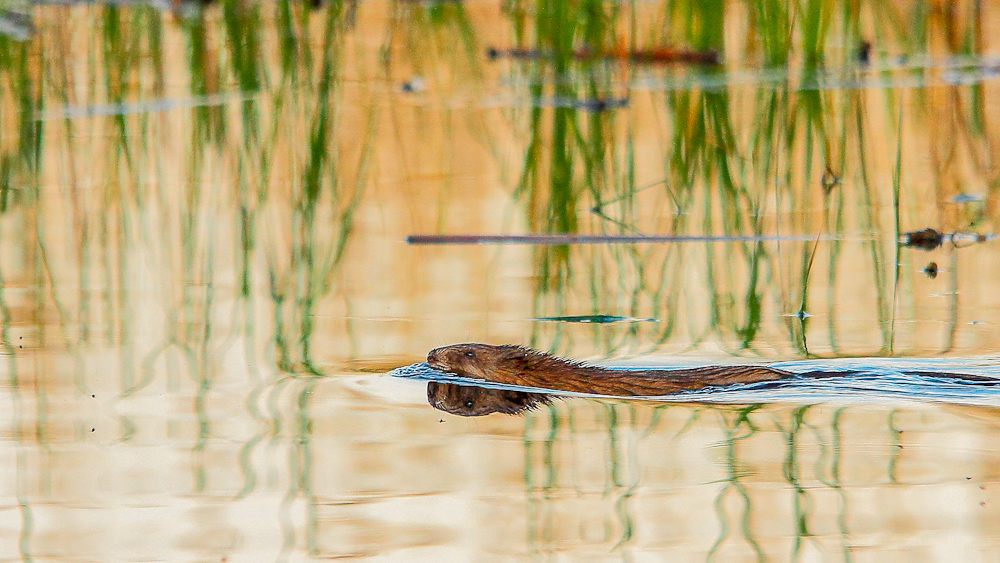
(204, 275)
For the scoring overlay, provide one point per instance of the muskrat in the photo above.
(517, 365)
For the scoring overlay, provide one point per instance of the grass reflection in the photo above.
(623, 471)
(728, 174)
(791, 469)
(325, 173)
(539, 490)
(180, 192)
(766, 518)
(739, 429)
(18, 414)
(731, 160)
(833, 480)
(793, 503)
(143, 265)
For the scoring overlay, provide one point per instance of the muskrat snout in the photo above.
(434, 358)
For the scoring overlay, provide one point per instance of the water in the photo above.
(205, 278)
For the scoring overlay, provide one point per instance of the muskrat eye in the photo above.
(469, 404)
(470, 354)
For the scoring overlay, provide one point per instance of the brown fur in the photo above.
(517, 365)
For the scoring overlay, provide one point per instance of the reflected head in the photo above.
(467, 400)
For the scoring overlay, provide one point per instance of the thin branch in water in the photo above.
(568, 239)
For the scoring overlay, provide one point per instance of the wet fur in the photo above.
(517, 365)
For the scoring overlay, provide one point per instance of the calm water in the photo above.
(204, 277)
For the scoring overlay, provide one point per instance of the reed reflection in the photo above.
(192, 260)
(702, 465)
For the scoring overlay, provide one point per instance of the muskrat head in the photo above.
(477, 361)
(466, 400)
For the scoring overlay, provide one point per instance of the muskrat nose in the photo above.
(433, 356)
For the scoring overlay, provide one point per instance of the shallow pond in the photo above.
(223, 224)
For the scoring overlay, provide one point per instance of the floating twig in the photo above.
(596, 319)
(562, 240)
(595, 105)
(661, 55)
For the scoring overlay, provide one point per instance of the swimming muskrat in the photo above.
(517, 365)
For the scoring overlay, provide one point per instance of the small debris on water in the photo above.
(931, 270)
(966, 198)
(801, 315)
(604, 104)
(865, 53)
(829, 181)
(927, 239)
(415, 84)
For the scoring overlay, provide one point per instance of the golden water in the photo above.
(203, 276)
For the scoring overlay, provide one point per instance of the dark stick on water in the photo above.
(560, 240)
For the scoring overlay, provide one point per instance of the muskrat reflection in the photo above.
(468, 400)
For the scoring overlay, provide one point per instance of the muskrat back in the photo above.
(517, 365)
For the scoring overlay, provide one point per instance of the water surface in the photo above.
(204, 277)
